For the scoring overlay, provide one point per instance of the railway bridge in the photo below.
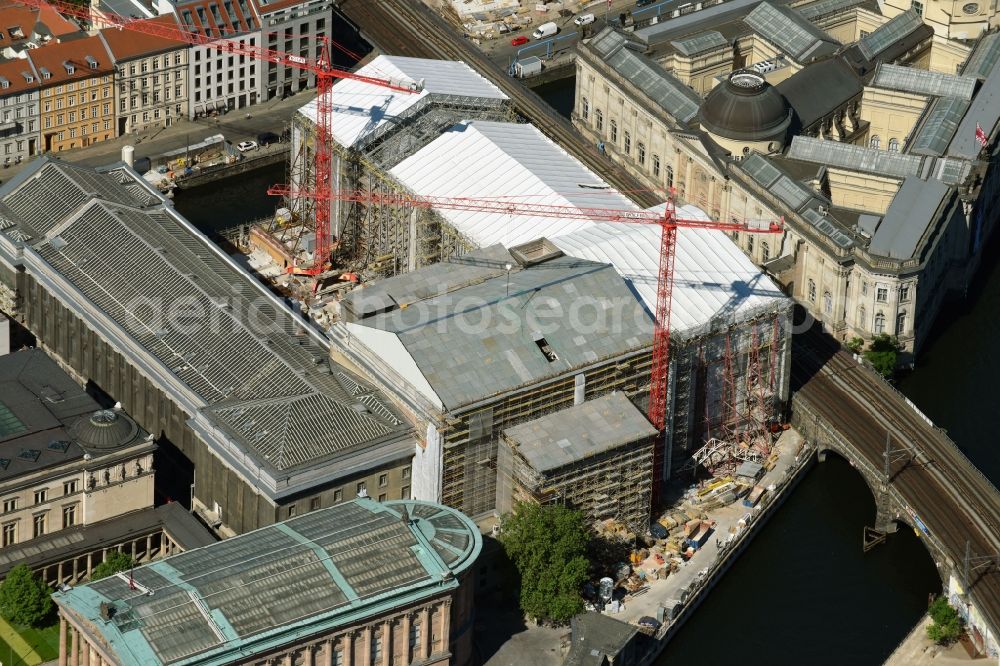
(918, 476)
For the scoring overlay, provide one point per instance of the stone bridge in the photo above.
(918, 476)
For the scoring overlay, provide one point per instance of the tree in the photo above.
(882, 353)
(24, 599)
(946, 625)
(856, 344)
(548, 546)
(115, 561)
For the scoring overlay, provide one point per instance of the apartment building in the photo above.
(151, 78)
(220, 80)
(293, 26)
(76, 93)
(19, 136)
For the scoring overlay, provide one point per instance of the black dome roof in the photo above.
(746, 108)
(105, 429)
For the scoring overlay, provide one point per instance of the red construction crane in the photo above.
(325, 73)
(668, 222)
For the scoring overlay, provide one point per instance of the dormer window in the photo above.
(46, 74)
(92, 61)
(69, 67)
(4, 83)
(28, 76)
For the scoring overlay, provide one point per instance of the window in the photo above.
(38, 524)
(69, 487)
(628, 144)
(640, 151)
(882, 294)
(893, 145)
(750, 244)
(338, 495)
(864, 288)
(812, 291)
(10, 504)
(827, 302)
(10, 534)
(904, 293)
(876, 142)
(362, 489)
(314, 504)
(405, 472)
(599, 119)
(585, 108)
(613, 131)
(901, 323)
(414, 635)
(43, 494)
(291, 510)
(382, 497)
(656, 166)
(918, 7)
(670, 177)
(376, 648)
(404, 493)
(862, 316)
(69, 516)
(765, 251)
(879, 324)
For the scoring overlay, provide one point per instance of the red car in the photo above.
(518, 41)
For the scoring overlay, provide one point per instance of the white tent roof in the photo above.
(713, 279)
(359, 108)
(482, 159)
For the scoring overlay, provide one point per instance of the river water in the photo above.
(803, 593)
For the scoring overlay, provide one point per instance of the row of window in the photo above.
(876, 142)
(879, 323)
(219, 93)
(41, 495)
(133, 101)
(144, 81)
(218, 78)
(640, 152)
(39, 525)
(144, 65)
(70, 87)
(361, 490)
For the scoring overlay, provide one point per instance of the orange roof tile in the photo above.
(127, 44)
(54, 57)
(16, 15)
(13, 71)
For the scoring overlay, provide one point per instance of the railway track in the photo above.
(939, 484)
(408, 28)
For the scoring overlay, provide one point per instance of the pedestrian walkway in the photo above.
(918, 650)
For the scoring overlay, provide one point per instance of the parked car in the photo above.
(244, 146)
(545, 30)
(584, 19)
(519, 41)
(651, 624)
(267, 138)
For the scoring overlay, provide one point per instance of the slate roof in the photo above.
(664, 88)
(245, 363)
(581, 431)
(908, 216)
(819, 88)
(232, 600)
(473, 337)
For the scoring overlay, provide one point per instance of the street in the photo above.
(270, 116)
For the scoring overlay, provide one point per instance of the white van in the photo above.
(584, 19)
(545, 30)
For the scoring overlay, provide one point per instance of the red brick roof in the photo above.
(54, 57)
(13, 71)
(13, 16)
(128, 44)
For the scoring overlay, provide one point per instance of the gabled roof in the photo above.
(666, 90)
(13, 71)
(908, 217)
(23, 20)
(362, 110)
(483, 331)
(87, 57)
(242, 598)
(786, 29)
(129, 44)
(250, 373)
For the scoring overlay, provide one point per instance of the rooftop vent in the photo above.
(535, 252)
(59, 445)
(30, 455)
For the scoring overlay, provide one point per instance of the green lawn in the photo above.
(28, 646)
